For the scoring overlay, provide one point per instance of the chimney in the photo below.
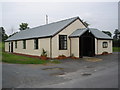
(46, 19)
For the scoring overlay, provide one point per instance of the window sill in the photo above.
(62, 49)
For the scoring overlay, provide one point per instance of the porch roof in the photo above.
(97, 33)
(78, 32)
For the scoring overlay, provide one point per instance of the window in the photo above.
(105, 44)
(15, 44)
(24, 44)
(35, 43)
(62, 42)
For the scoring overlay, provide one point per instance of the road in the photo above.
(103, 79)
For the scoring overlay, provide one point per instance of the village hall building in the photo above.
(67, 37)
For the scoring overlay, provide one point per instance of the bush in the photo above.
(44, 53)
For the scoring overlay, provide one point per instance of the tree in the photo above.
(108, 33)
(3, 35)
(116, 38)
(117, 34)
(23, 26)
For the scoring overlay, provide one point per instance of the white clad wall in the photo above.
(75, 46)
(100, 49)
(43, 43)
(67, 31)
(7, 46)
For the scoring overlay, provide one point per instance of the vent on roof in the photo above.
(46, 19)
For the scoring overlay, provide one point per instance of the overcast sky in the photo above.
(100, 15)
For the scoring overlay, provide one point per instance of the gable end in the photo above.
(69, 24)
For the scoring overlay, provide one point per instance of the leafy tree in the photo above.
(3, 35)
(23, 26)
(116, 38)
(117, 34)
(108, 33)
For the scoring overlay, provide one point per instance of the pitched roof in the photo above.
(97, 33)
(78, 32)
(47, 30)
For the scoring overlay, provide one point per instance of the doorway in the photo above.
(9, 46)
(87, 45)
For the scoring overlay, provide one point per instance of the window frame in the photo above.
(36, 43)
(62, 42)
(24, 44)
(105, 44)
(16, 44)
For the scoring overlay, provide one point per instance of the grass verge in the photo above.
(17, 59)
(116, 49)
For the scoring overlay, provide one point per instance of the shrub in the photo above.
(44, 53)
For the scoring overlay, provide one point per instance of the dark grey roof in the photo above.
(78, 32)
(97, 33)
(42, 31)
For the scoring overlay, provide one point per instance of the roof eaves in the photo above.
(29, 38)
(105, 38)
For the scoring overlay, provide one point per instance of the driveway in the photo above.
(69, 73)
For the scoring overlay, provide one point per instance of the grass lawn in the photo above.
(18, 59)
(12, 58)
(116, 49)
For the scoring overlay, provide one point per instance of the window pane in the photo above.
(36, 43)
(24, 44)
(105, 44)
(15, 44)
(62, 42)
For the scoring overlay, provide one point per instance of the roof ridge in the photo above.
(54, 22)
(50, 23)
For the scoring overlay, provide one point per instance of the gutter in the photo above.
(70, 46)
(50, 47)
(97, 46)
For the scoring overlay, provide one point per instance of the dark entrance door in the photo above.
(87, 45)
(11, 46)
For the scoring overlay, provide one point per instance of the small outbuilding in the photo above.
(67, 37)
